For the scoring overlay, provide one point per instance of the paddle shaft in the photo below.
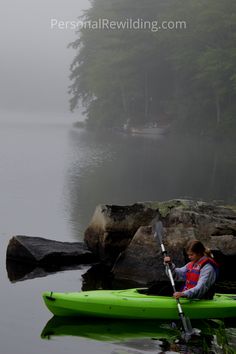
(180, 310)
(158, 233)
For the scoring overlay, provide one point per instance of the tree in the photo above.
(142, 75)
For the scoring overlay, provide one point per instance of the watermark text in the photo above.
(138, 24)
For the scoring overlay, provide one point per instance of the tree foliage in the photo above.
(186, 76)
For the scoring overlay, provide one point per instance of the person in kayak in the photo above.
(199, 274)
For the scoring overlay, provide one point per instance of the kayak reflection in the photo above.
(108, 330)
(154, 334)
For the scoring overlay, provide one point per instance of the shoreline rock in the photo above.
(41, 251)
(113, 226)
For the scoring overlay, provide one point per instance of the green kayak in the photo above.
(135, 304)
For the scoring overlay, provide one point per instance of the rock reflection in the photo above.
(18, 271)
(97, 277)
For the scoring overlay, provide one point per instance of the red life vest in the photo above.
(193, 271)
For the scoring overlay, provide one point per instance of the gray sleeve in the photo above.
(178, 273)
(206, 280)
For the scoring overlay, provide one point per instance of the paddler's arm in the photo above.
(178, 273)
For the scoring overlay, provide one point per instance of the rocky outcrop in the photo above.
(139, 257)
(40, 251)
(112, 227)
(121, 237)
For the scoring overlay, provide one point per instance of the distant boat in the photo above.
(149, 130)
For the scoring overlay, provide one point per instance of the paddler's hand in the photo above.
(177, 295)
(167, 260)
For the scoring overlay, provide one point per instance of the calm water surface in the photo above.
(51, 178)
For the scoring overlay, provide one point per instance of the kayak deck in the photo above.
(134, 304)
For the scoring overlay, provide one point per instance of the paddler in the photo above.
(199, 274)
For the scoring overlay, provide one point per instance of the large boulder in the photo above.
(41, 251)
(112, 227)
(141, 262)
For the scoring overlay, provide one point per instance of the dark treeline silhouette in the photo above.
(185, 76)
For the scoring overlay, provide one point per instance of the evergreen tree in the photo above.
(186, 75)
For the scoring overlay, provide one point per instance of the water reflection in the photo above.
(108, 330)
(19, 271)
(144, 336)
(121, 169)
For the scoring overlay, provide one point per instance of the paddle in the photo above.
(187, 327)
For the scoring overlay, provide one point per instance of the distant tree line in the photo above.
(186, 76)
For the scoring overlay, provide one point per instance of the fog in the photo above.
(35, 60)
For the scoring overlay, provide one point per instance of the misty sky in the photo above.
(34, 64)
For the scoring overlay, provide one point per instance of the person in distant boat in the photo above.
(199, 274)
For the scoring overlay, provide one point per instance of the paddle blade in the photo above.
(189, 331)
(158, 230)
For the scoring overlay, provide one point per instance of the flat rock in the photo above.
(41, 251)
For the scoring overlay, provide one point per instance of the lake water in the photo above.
(52, 176)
